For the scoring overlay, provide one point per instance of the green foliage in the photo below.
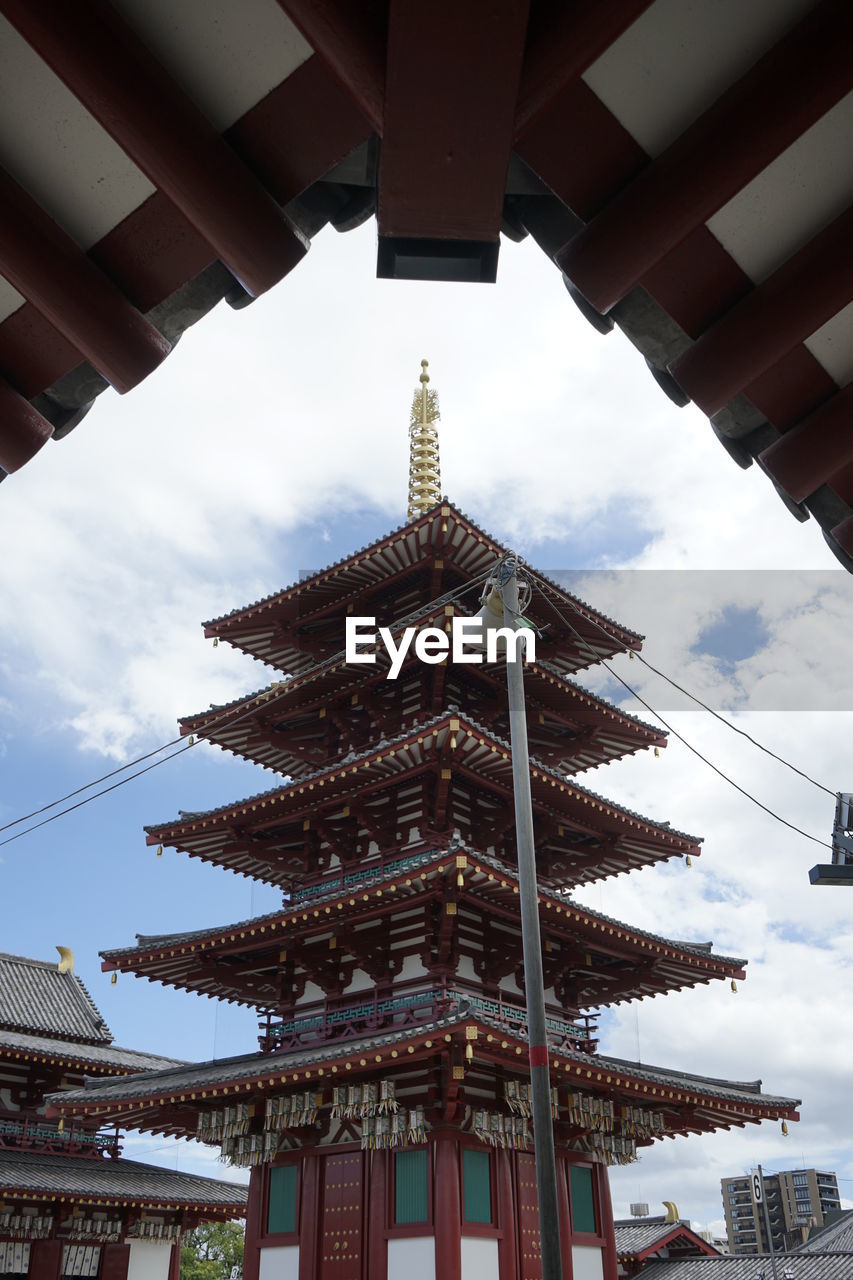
(211, 1250)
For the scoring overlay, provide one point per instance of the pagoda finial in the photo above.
(424, 466)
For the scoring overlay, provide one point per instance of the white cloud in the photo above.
(176, 503)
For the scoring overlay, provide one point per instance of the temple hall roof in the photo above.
(35, 997)
(107, 1059)
(639, 1237)
(790, 1266)
(834, 1237)
(43, 1177)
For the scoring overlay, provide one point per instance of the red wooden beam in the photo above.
(350, 40)
(562, 41)
(812, 451)
(23, 430)
(451, 86)
(786, 91)
(107, 67)
(47, 267)
(806, 291)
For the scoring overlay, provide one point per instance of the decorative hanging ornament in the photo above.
(159, 851)
(113, 979)
(734, 987)
(784, 1128)
(215, 641)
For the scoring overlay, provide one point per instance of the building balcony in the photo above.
(405, 1004)
(38, 1135)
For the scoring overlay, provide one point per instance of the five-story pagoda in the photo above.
(386, 1117)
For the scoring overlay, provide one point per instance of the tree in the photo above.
(211, 1250)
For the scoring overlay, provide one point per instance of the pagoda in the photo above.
(386, 1116)
(70, 1203)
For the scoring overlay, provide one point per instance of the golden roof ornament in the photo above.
(424, 465)
(66, 960)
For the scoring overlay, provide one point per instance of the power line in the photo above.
(771, 812)
(447, 598)
(695, 698)
(743, 733)
(95, 796)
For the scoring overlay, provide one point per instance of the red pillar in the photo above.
(565, 1218)
(377, 1244)
(608, 1253)
(447, 1210)
(175, 1263)
(254, 1224)
(46, 1259)
(309, 1218)
(507, 1218)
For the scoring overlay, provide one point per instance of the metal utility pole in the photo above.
(767, 1223)
(540, 1076)
(840, 870)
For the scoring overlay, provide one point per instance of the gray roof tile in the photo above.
(637, 1234)
(789, 1266)
(36, 997)
(95, 1055)
(248, 1066)
(835, 1238)
(152, 942)
(112, 1179)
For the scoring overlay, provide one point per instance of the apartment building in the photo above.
(797, 1199)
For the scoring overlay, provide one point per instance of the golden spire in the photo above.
(424, 466)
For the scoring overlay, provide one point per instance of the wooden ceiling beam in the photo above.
(350, 41)
(447, 133)
(101, 60)
(778, 99)
(54, 274)
(797, 299)
(811, 452)
(562, 41)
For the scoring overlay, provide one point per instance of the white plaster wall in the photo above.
(479, 1258)
(587, 1263)
(412, 1258)
(281, 1263)
(361, 981)
(412, 968)
(149, 1260)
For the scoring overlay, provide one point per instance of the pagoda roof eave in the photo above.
(169, 1101)
(172, 958)
(223, 724)
(605, 637)
(455, 723)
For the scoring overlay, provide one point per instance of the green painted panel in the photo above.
(583, 1200)
(477, 1185)
(282, 1206)
(410, 1185)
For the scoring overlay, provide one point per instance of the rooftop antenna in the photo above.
(424, 465)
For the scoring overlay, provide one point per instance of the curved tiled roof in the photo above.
(257, 1066)
(35, 997)
(107, 1058)
(122, 1180)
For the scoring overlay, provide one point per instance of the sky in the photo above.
(274, 441)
